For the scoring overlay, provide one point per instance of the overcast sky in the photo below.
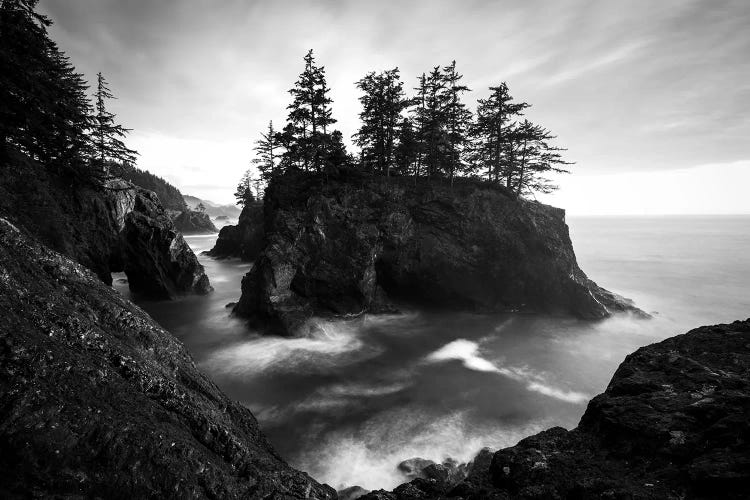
(651, 98)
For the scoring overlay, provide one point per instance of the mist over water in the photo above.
(350, 402)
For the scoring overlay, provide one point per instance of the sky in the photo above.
(651, 98)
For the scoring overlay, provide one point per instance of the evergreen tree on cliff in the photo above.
(265, 149)
(44, 111)
(382, 101)
(492, 133)
(458, 119)
(309, 118)
(244, 192)
(108, 135)
(536, 157)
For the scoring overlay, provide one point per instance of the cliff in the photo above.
(673, 423)
(97, 401)
(107, 228)
(246, 239)
(354, 243)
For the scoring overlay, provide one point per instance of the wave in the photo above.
(370, 456)
(329, 343)
(467, 352)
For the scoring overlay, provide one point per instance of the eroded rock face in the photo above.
(349, 245)
(154, 255)
(110, 228)
(673, 423)
(97, 401)
(245, 240)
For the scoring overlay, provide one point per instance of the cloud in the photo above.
(611, 79)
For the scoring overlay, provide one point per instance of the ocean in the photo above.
(350, 403)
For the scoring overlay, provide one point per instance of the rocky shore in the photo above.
(108, 228)
(674, 423)
(352, 243)
(98, 401)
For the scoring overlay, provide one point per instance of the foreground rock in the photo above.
(194, 222)
(99, 402)
(674, 423)
(350, 244)
(245, 240)
(111, 228)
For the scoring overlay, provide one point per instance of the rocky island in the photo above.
(356, 243)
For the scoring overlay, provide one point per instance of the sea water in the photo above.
(359, 396)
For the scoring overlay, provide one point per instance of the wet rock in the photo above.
(352, 493)
(674, 423)
(98, 401)
(108, 228)
(353, 243)
(245, 240)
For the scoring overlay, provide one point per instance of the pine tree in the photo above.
(536, 157)
(244, 192)
(309, 117)
(44, 110)
(383, 101)
(458, 118)
(406, 148)
(266, 149)
(107, 133)
(492, 134)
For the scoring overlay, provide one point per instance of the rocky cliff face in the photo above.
(97, 401)
(245, 240)
(193, 222)
(111, 228)
(674, 423)
(353, 243)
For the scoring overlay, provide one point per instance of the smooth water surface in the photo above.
(352, 401)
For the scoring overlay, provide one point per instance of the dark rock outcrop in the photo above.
(346, 245)
(97, 401)
(155, 257)
(674, 423)
(245, 240)
(194, 222)
(111, 228)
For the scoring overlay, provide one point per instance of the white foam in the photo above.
(370, 457)
(467, 352)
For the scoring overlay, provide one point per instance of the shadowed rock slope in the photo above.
(674, 423)
(108, 228)
(245, 240)
(96, 400)
(352, 243)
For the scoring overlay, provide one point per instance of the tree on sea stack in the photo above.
(536, 157)
(309, 118)
(266, 147)
(244, 192)
(108, 135)
(382, 101)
